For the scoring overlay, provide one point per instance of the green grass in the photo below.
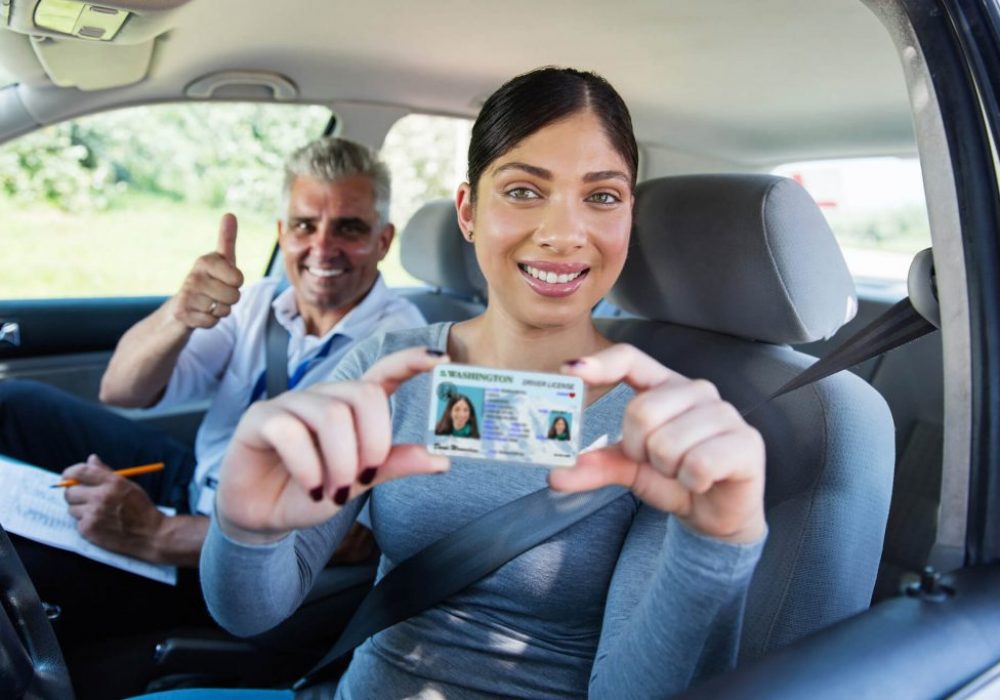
(145, 247)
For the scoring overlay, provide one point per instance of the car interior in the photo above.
(879, 577)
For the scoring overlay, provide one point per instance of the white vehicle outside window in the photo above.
(876, 209)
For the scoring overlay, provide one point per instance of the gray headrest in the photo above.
(433, 250)
(745, 255)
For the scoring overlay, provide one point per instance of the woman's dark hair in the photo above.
(534, 100)
(445, 426)
(553, 433)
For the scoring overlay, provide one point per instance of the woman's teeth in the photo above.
(551, 277)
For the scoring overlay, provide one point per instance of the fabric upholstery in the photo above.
(830, 460)
(433, 250)
(745, 255)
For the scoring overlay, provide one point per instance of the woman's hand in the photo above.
(683, 449)
(296, 460)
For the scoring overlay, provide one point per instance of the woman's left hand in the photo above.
(683, 449)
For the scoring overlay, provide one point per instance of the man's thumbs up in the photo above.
(226, 246)
(213, 285)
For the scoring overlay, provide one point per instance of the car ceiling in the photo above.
(754, 83)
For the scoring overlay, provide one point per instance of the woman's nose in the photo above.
(563, 228)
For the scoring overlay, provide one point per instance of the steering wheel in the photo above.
(31, 662)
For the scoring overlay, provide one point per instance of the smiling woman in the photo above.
(555, 198)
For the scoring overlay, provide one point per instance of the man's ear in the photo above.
(464, 210)
(385, 237)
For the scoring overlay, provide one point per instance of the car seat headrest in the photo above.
(433, 250)
(745, 255)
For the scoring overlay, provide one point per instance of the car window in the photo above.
(876, 209)
(132, 197)
(426, 155)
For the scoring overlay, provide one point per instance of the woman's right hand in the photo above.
(296, 460)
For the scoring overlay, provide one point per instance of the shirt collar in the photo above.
(354, 324)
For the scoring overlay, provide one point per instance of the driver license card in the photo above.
(505, 415)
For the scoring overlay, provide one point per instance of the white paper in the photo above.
(29, 507)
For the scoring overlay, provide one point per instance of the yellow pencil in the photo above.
(130, 471)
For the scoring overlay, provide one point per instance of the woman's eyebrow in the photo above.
(606, 175)
(547, 174)
(530, 169)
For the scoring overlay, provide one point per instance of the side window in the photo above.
(131, 198)
(427, 158)
(876, 209)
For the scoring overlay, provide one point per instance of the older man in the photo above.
(205, 342)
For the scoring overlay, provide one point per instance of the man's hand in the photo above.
(116, 514)
(213, 285)
(138, 372)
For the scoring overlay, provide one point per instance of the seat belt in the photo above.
(470, 553)
(275, 355)
(897, 326)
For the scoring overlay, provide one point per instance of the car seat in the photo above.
(727, 271)
(433, 250)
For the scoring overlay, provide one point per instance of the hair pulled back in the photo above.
(532, 101)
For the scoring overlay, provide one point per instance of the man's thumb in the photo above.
(226, 246)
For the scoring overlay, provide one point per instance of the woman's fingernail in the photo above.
(443, 466)
(435, 353)
(340, 496)
(316, 494)
(575, 362)
(367, 476)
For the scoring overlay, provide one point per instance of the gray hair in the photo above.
(330, 158)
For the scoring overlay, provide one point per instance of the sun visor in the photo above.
(93, 46)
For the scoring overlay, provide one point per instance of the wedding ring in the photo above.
(213, 307)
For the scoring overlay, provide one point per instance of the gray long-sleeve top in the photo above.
(626, 603)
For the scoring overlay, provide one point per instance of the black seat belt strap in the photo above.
(275, 355)
(897, 326)
(466, 555)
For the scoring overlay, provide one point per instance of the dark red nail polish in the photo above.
(573, 363)
(316, 494)
(367, 476)
(340, 496)
(435, 353)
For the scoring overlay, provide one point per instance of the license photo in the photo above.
(504, 415)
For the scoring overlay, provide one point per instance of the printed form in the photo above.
(32, 509)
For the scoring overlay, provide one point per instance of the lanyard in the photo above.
(261, 385)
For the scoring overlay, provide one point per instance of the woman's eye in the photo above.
(522, 193)
(604, 198)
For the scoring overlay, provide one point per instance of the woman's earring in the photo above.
(470, 235)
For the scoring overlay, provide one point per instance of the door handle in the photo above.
(10, 333)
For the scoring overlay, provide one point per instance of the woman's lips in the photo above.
(565, 278)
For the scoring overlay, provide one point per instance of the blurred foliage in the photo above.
(427, 158)
(130, 198)
(228, 157)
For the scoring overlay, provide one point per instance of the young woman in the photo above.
(458, 419)
(640, 599)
